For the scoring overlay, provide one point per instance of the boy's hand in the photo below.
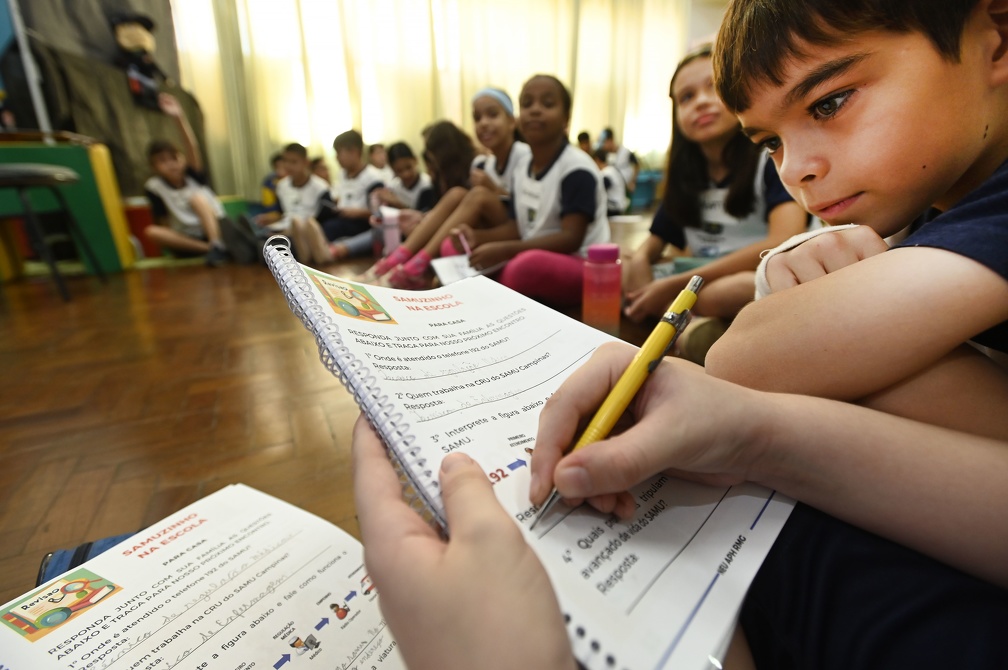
(453, 604)
(822, 255)
(169, 104)
(684, 423)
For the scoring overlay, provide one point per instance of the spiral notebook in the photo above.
(468, 367)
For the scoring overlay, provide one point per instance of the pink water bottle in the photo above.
(601, 293)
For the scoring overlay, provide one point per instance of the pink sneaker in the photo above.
(398, 256)
(399, 278)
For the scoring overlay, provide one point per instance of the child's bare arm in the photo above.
(965, 391)
(863, 328)
(170, 106)
(786, 220)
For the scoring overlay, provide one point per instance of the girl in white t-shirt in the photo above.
(557, 207)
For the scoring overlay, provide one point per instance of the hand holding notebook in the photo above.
(468, 367)
(470, 587)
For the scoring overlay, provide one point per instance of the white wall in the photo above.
(705, 17)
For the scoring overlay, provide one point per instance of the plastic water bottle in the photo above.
(602, 288)
(391, 237)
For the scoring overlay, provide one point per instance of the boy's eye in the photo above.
(830, 105)
(771, 144)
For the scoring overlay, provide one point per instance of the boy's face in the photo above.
(348, 158)
(320, 169)
(297, 167)
(877, 128)
(378, 157)
(406, 170)
(169, 165)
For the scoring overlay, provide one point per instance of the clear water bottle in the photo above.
(602, 288)
(391, 237)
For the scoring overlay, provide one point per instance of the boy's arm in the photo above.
(170, 106)
(934, 490)
(863, 328)
(964, 391)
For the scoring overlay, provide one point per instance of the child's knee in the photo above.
(525, 271)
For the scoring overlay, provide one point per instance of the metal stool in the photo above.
(23, 176)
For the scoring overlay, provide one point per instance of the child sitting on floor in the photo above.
(557, 208)
(188, 216)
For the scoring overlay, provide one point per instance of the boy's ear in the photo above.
(997, 13)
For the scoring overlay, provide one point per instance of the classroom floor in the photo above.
(150, 392)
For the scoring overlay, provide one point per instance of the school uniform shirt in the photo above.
(572, 183)
(420, 196)
(615, 186)
(387, 173)
(975, 227)
(354, 191)
(299, 201)
(623, 160)
(719, 232)
(503, 175)
(171, 202)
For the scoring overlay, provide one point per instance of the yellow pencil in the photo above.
(647, 359)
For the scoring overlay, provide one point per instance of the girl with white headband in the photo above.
(493, 115)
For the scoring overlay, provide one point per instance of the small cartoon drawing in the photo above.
(301, 646)
(49, 607)
(341, 611)
(367, 586)
(351, 299)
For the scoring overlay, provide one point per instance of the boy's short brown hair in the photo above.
(757, 36)
(296, 149)
(158, 147)
(351, 139)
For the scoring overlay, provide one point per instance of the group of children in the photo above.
(525, 210)
(868, 380)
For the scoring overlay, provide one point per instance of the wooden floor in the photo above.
(145, 394)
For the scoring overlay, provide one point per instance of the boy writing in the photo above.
(187, 214)
(874, 111)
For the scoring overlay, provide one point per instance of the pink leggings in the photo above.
(547, 276)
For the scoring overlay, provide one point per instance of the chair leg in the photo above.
(75, 231)
(37, 237)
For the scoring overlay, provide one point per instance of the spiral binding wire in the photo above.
(421, 489)
(420, 485)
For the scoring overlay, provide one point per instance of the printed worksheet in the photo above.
(468, 367)
(237, 580)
